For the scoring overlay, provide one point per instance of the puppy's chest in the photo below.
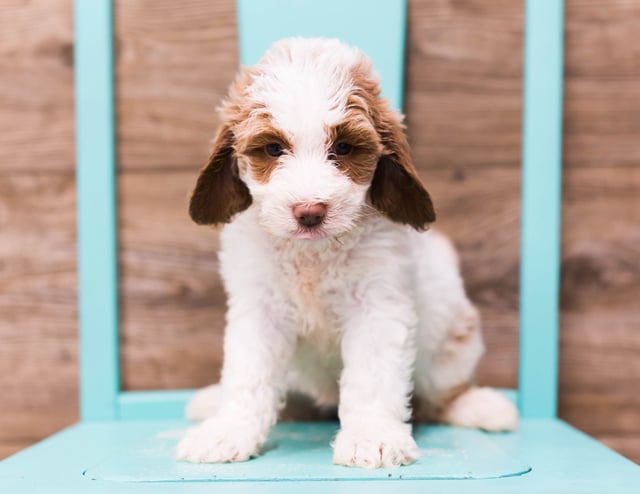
(313, 282)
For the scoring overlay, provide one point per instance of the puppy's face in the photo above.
(307, 139)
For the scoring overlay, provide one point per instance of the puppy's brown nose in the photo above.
(310, 215)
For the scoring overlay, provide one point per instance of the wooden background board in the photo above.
(463, 105)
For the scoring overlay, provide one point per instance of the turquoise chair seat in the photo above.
(125, 441)
(131, 456)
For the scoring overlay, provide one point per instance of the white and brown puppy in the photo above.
(334, 287)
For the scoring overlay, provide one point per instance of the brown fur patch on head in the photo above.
(252, 138)
(252, 128)
(396, 189)
(360, 163)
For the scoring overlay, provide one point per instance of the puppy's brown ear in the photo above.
(396, 190)
(219, 192)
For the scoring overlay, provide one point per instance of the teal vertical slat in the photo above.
(541, 207)
(95, 170)
(378, 28)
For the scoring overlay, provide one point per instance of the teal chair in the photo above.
(125, 440)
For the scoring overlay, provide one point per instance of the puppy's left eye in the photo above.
(342, 148)
(274, 149)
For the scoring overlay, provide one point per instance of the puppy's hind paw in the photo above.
(482, 408)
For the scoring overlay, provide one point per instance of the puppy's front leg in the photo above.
(257, 352)
(378, 352)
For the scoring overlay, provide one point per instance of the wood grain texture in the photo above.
(172, 301)
(602, 94)
(175, 62)
(600, 317)
(464, 83)
(599, 368)
(36, 86)
(38, 354)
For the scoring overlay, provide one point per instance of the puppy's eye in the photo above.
(274, 149)
(342, 148)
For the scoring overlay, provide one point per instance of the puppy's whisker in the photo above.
(338, 241)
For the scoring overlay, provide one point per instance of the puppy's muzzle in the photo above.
(310, 215)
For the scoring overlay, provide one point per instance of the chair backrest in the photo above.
(541, 207)
(379, 29)
(96, 205)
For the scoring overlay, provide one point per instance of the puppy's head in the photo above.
(306, 137)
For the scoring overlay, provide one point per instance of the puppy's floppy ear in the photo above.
(396, 190)
(219, 192)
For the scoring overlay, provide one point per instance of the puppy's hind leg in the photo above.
(444, 378)
(204, 403)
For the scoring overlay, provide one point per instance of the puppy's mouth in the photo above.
(307, 233)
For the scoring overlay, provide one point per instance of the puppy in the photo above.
(335, 288)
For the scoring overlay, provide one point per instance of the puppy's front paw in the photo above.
(219, 440)
(375, 445)
(204, 403)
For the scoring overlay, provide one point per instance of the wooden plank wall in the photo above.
(38, 342)
(174, 62)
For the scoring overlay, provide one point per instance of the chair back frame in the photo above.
(380, 33)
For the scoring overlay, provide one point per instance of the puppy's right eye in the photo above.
(274, 149)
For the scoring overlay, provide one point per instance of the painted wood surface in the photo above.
(463, 102)
(141, 449)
